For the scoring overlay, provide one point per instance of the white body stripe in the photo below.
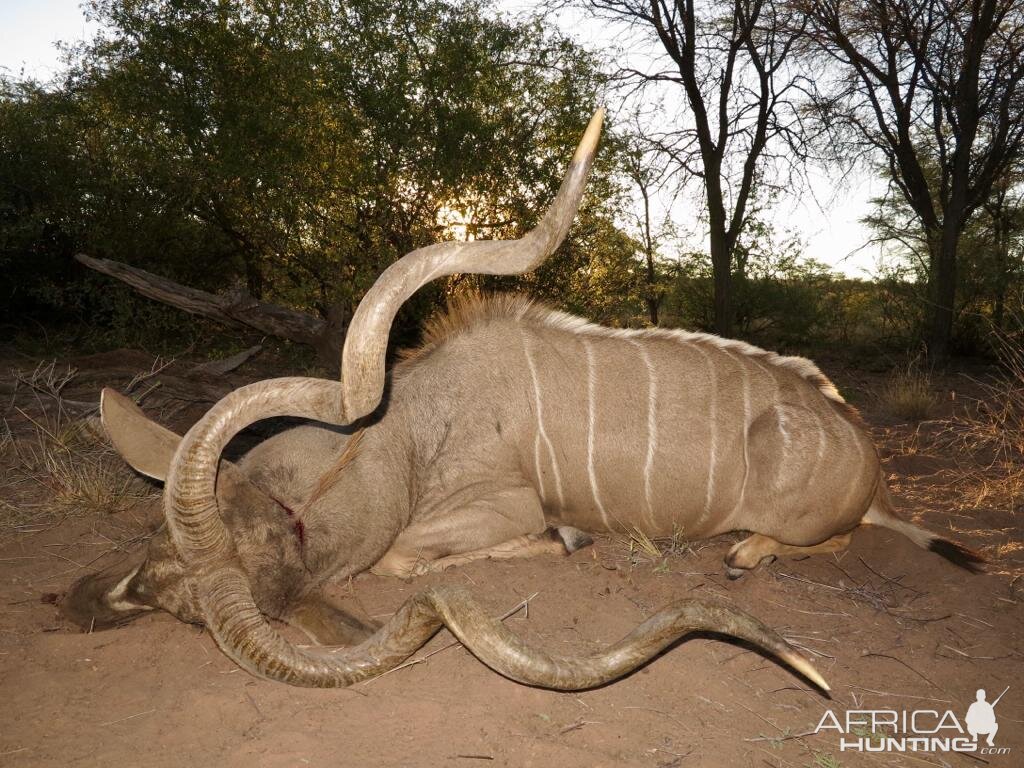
(746, 427)
(591, 424)
(115, 597)
(652, 428)
(822, 440)
(786, 439)
(709, 494)
(536, 463)
(541, 432)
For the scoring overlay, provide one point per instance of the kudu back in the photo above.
(512, 431)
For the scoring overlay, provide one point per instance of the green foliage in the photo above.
(37, 222)
(990, 263)
(291, 150)
(781, 298)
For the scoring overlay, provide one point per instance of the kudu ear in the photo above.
(144, 444)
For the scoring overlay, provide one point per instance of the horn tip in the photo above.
(804, 667)
(588, 144)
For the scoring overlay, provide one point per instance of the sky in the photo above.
(826, 216)
(29, 30)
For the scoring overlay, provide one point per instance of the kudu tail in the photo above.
(883, 513)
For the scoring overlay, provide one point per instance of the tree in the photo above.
(921, 81)
(286, 153)
(990, 253)
(730, 60)
(1004, 210)
(646, 169)
(38, 170)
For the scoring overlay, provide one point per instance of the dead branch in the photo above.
(227, 364)
(231, 309)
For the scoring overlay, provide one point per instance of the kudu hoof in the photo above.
(574, 538)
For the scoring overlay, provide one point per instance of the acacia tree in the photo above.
(738, 119)
(990, 251)
(926, 81)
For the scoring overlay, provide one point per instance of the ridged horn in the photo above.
(362, 359)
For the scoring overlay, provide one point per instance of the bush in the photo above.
(908, 393)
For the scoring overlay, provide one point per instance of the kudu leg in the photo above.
(507, 524)
(554, 541)
(748, 554)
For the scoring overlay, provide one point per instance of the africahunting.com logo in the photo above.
(919, 730)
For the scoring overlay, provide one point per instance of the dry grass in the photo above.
(993, 432)
(985, 437)
(999, 421)
(642, 549)
(78, 469)
(64, 466)
(908, 393)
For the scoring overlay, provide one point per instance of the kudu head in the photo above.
(208, 553)
(114, 597)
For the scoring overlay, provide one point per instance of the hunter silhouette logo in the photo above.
(919, 730)
(981, 717)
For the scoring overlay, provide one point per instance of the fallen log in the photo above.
(236, 310)
(227, 364)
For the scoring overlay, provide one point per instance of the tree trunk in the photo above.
(1000, 306)
(721, 253)
(1002, 246)
(651, 296)
(942, 290)
(326, 337)
(652, 309)
(720, 263)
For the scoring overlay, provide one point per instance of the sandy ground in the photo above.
(891, 627)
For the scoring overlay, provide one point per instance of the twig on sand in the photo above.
(785, 737)
(808, 581)
(821, 654)
(900, 661)
(524, 604)
(576, 726)
(761, 717)
(901, 695)
(159, 364)
(894, 580)
(809, 613)
(671, 717)
(130, 717)
(976, 658)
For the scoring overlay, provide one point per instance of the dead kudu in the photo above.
(509, 432)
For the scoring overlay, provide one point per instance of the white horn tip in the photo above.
(588, 144)
(804, 667)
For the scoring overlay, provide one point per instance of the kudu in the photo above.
(509, 431)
